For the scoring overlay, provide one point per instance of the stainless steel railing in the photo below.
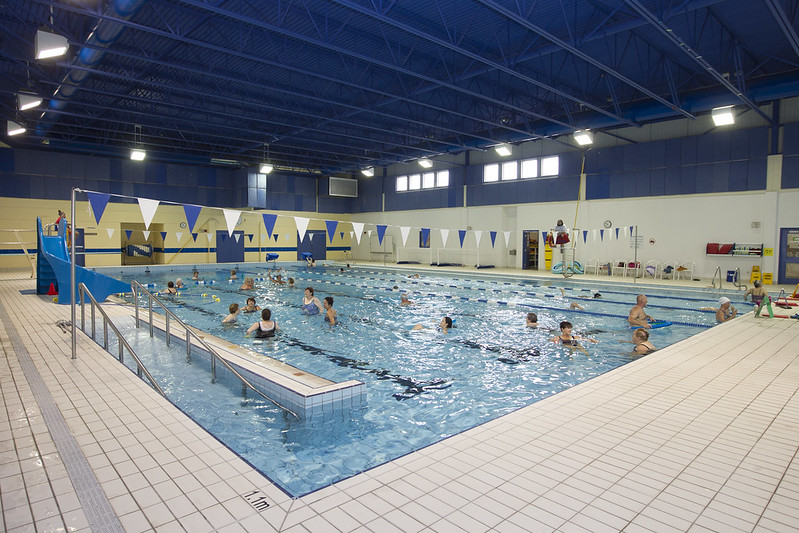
(169, 315)
(716, 274)
(122, 343)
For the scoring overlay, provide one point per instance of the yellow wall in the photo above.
(18, 213)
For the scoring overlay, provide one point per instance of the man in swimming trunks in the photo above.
(638, 317)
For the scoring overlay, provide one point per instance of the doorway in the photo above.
(530, 247)
(314, 243)
(229, 248)
(788, 269)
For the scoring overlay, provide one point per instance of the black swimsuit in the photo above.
(265, 333)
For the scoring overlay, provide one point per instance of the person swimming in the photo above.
(264, 328)
(310, 303)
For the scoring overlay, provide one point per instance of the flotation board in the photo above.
(655, 324)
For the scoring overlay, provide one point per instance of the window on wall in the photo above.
(402, 183)
(543, 167)
(510, 170)
(428, 180)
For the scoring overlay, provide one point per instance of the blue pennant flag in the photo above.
(192, 212)
(331, 228)
(493, 237)
(163, 236)
(275, 236)
(249, 236)
(341, 234)
(617, 233)
(128, 232)
(601, 235)
(381, 231)
(426, 236)
(461, 235)
(98, 201)
(585, 236)
(544, 236)
(269, 222)
(194, 236)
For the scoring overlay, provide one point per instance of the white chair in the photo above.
(651, 269)
(686, 270)
(633, 269)
(620, 267)
(604, 268)
(669, 270)
(592, 266)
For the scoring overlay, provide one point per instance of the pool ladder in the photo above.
(121, 342)
(736, 280)
(245, 384)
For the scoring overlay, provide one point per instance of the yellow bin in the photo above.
(755, 274)
(767, 278)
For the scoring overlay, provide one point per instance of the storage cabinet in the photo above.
(735, 249)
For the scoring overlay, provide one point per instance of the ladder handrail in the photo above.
(141, 369)
(713, 281)
(190, 333)
(737, 282)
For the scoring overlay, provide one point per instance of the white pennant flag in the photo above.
(210, 236)
(231, 217)
(404, 230)
(237, 236)
(595, 232)
(302, 226)
(110, 232)
(624, 229)
(146, 235)
(148, 208)
(357, 229)
(478, 234)
(352, 234)
(263, 236)
(507, 238)
(369, 233)
(444, 235)
(179, 235)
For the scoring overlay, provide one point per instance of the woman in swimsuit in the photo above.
(725, 311)
(641, 342)
(251, 307)
(264, 328)
(310, 303)
(567, 339)
(758, 293)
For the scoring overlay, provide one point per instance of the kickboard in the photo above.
(656, 324)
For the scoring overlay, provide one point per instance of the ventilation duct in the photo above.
(341, 187)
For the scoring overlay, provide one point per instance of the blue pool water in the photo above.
(421, 386)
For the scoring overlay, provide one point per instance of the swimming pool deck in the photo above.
(699, 436)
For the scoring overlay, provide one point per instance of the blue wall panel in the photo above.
(688, 151)
(757, 174)
(657, 154)
(7, 161)
(790, 172)
(657, 182)
(739, 171)
(597, 186)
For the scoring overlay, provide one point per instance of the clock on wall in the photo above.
(608, 224)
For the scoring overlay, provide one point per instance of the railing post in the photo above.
(188, 345)
(82, 310)
(213, 368)
(150, 306)
(93, 319)
(136, 303)
(121, 351)
(105, 333)
(166, 314)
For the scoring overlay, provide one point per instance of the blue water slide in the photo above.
(53, 252)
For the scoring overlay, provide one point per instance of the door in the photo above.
(789, 256)
(530, 247)
(313, 243)
(229, 249)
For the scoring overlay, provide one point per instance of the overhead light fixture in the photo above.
(425, 163)
(368, 171)
(583, 137)
(27, 101)
(503, 150)
(15, 129)
(137, 154)
(266, 168)
(50, 45)
(723, 116)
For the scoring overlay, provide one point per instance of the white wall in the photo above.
(680, 227)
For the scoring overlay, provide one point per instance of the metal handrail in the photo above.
(713, 281)
(140, 369)
(737, 282)
(190, 333)
(22, 244)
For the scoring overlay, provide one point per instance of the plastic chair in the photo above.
(621, 267)
(686, 270)
(633, 268)
(592, 266)
(669, 270)
(652, 268)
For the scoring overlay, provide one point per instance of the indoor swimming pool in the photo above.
(422, 386)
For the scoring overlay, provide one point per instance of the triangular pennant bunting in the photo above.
(302, 226)
(426, 236)
(146, 235)
(98, 201)
(269, 222)
(444, 235)
(128, 233)
(148, 208)
(493, 235)
(478, 235)
(110, 232)
(585, 236)
(194, 236)
(231, 219)
(461, 236)
(404, 231)
(507, 238)
(381, 231)
(601, 235)
(210, 236)
(179, 236)
(192, 212)
(341, 234)
(237, 236)
(617, 233)
(163, 236)
(357, 229)
(331, 228)
(250, 236)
